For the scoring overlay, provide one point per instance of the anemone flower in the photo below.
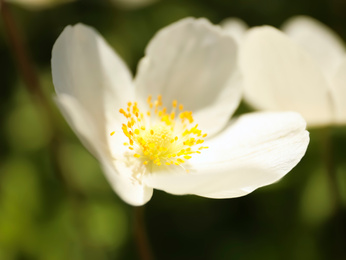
(169, 128)
(301, 68)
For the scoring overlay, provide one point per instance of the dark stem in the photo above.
(339, 225)
(331, 170)
(31, 81)
(18, 47)
(24, 63)
(140, 234)
(30, 78)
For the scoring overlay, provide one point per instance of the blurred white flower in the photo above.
(132, 4)
(235, 27)
(151, 131)
(302, 68)
(39, 4)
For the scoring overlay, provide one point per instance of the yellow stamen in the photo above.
(157, 137)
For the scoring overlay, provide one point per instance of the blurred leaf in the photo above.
(82, 169)
(57, 236)
(106, 224)
(19, 202)
(316, 205)
(6, 255)
(26, 126)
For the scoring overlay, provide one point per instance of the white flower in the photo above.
(235, 27)
(302, 69)
(189, 83)
(132, 4)
(39, 4)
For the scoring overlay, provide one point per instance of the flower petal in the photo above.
(116, 172)
(82, 124)
(222, 180)
(278, 75)
(85, 67)
(339, 92)
(193, 62)
(235, 27)
(128, 189)
(255, 150)
(323, 44)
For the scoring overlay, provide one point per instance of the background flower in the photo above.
(235, 27)
(132, 4)
(39, 4)
(302, 70)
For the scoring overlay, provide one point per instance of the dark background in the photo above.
(56, 204)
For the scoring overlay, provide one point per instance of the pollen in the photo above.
(159, 137)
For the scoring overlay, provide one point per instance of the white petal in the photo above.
(116, 172)
(221, 180)
(339, 92)
(82, 124)
(193, 62)
(86, 68)
(128, 189)
(278, 75)
(235, 27)
(255, 150)
(323, 44)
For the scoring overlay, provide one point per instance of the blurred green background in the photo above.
(56, 204)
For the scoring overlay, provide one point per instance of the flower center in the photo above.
(159, 137)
